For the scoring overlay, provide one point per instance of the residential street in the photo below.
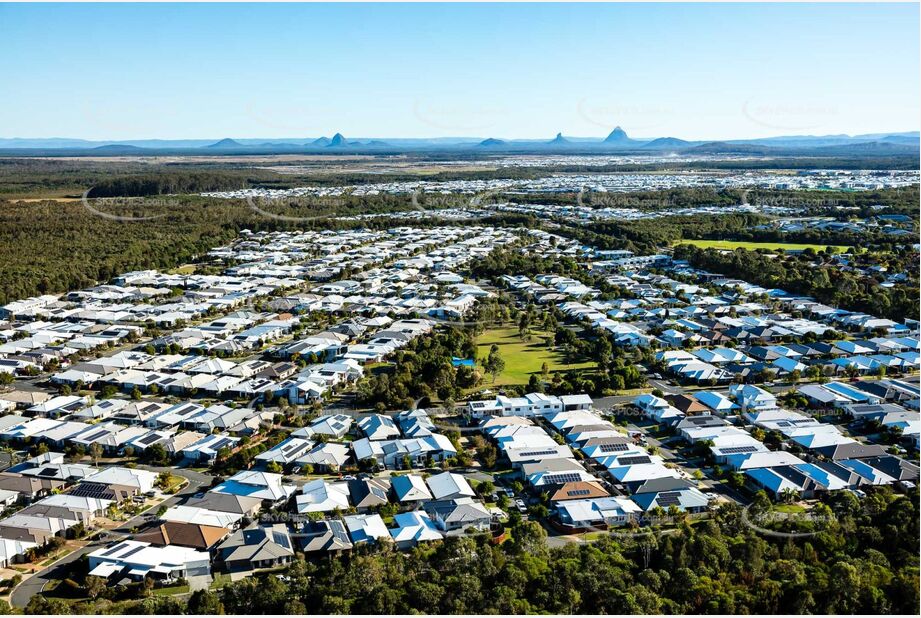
(36, 583)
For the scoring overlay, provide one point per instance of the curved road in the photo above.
(36, 583)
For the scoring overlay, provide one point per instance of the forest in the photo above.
(49, 246)
(826, 283)
(862, 558)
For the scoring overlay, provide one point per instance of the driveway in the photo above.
(36, 583)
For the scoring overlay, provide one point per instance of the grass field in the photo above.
(171, 590)
(185, 269)
(219, 580)
(522, 358)
(789, 508)
(751, 246)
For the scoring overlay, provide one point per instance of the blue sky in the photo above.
(408, 70)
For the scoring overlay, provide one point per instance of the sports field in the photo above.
(751, 246)
(522, 358)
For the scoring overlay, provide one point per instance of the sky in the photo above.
(717, 71)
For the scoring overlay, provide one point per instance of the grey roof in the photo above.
(851, 450)
(225, 503)
(325, 535)
(663, 484)
(369, 492)
(896, 467)
(257, 543)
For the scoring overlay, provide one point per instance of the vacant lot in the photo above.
(751, 246)
(522, 358)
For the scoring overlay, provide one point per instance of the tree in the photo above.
(494, 363)
(205, 602)
(534, 384)
(12, 454)
(156, 455)
(95, 452)
(95, 586)
(164, 480)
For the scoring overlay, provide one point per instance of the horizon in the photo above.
(457, 71)
(328, 135)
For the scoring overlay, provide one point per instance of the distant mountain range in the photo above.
(904, 143)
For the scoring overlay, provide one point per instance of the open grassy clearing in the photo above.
(522, 358)
(752, 246)
(171, 590)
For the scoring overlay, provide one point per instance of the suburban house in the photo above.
(184, 534)
(413, 528)
(458, 514)
(449, 485)
(326, 535)
(137, 560)
(256, 547)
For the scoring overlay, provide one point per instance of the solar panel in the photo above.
(93, 490)
(149, 439)
(629, 461)
(668, 498)
(578, 492)
(735, 450)
(280, 539)
(114, 548)
(535, 453)
(569, 477)
(611, 448)
(221, 444)
(133, 551)
(96, 435)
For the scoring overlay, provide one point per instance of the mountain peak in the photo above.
(559, 139)
(617, 135)
(226, 143)
(338, 140)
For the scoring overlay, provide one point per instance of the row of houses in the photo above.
(406, 440)
(59, 499)
(834, 460)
